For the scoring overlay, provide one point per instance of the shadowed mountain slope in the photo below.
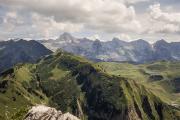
(21, 51)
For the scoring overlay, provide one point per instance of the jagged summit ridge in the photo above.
(138, 51)
(66, 38)
(42, 112)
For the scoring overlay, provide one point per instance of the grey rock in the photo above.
(42, 112)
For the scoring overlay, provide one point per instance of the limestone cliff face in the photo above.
(42, 112)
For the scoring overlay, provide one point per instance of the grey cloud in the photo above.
(49, 17)
(60, 10)
(169, 2)
(94, 13)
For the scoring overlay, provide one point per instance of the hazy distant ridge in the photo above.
(138, 51)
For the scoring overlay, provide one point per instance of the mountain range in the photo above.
(20, 51)
(138, 51)
(31, 74)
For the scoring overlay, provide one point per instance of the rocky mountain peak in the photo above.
(42, 112)
(97, 44)
(161, 42)
(67, 38)
(140, 41)
(115, 39)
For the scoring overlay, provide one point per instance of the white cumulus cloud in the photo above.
(98, 15)
(163, 22)
(158, 14)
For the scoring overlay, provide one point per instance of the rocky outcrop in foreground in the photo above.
(42, 112)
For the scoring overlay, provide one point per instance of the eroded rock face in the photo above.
(42, 112)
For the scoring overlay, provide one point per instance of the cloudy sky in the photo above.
(103, 19)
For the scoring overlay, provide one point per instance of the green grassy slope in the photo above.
(74, 84)
(17, 92)
(160, 77)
